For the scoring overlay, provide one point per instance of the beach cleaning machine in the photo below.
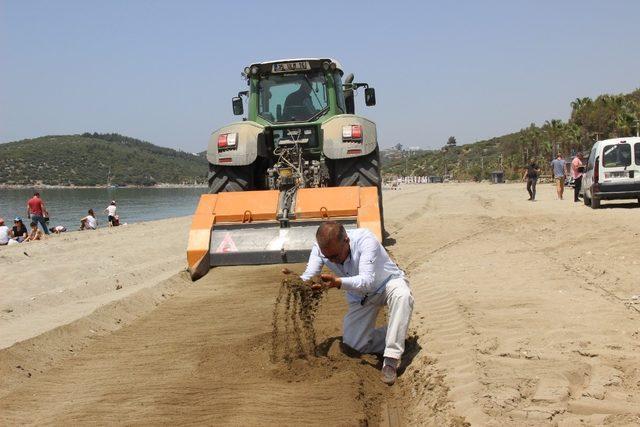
(301, 156)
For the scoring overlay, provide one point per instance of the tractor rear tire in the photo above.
(361, 171)
(230, 178)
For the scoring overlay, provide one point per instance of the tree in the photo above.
(451, 142)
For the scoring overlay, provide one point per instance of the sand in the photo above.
(525, 315)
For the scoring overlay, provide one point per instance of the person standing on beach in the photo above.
(531, 175)
(36, 211)
(559, 174)
(363, 269)
(576, 172)
(111, 213)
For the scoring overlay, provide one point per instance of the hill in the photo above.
(606, 116)
(96, 159)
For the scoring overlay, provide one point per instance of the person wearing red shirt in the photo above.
(37, 211)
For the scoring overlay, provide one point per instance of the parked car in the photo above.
(613, 171)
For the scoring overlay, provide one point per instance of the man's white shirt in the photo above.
(366, 270)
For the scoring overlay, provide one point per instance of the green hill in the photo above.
(606, 116)
(96, 159)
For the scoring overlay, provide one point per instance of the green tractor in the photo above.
(301, 103)
(300, 156)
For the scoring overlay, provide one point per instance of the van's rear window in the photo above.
(616, 155)
(636, 149)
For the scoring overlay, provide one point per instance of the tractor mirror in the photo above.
(238, 109)
(370, 96)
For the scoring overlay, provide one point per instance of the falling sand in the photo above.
(294, 312)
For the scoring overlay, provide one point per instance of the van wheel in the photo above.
(595, 203)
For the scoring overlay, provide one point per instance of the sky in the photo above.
(165, 71)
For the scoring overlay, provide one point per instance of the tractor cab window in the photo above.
(292, 97)
(337, 82)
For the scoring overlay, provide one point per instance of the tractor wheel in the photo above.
(361, 171)
(230, 178)
(595, 203)
(586, 199)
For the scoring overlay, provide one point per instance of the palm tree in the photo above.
(554, 129)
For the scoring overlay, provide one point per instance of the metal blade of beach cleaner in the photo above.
(264, 243)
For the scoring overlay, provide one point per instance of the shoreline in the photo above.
(76, 187)
(122, 226)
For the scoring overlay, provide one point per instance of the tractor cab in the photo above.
(298, 92)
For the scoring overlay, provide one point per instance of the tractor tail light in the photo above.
(352, 133)
(228, 140)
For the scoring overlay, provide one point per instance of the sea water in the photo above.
(67, 206)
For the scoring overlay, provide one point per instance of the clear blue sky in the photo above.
(165, 71)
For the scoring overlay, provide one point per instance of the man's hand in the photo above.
(331, 281)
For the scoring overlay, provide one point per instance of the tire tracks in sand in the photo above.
(203, 357)
(506, 350)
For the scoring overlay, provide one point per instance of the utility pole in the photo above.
(406, 164)
(637, 123)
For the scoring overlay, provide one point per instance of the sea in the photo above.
(67, 205)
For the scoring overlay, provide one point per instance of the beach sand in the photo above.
(525, 315)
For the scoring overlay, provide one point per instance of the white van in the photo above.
(613, 171)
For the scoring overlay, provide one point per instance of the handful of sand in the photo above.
(294, 311)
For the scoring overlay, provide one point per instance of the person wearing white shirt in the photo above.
(371, 279)
(4, 233)
(111, 212)
(89, 222)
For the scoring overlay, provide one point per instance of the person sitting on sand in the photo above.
(35, 234)
(4, 233)
(363, 268)
(18, 232)
(89, 222)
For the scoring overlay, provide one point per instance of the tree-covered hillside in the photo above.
(606, 116)
(96, 159)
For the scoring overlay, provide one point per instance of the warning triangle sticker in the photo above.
(227, 244)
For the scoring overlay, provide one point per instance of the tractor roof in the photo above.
(338, 65)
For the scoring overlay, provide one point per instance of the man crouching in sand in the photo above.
(364, 270)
